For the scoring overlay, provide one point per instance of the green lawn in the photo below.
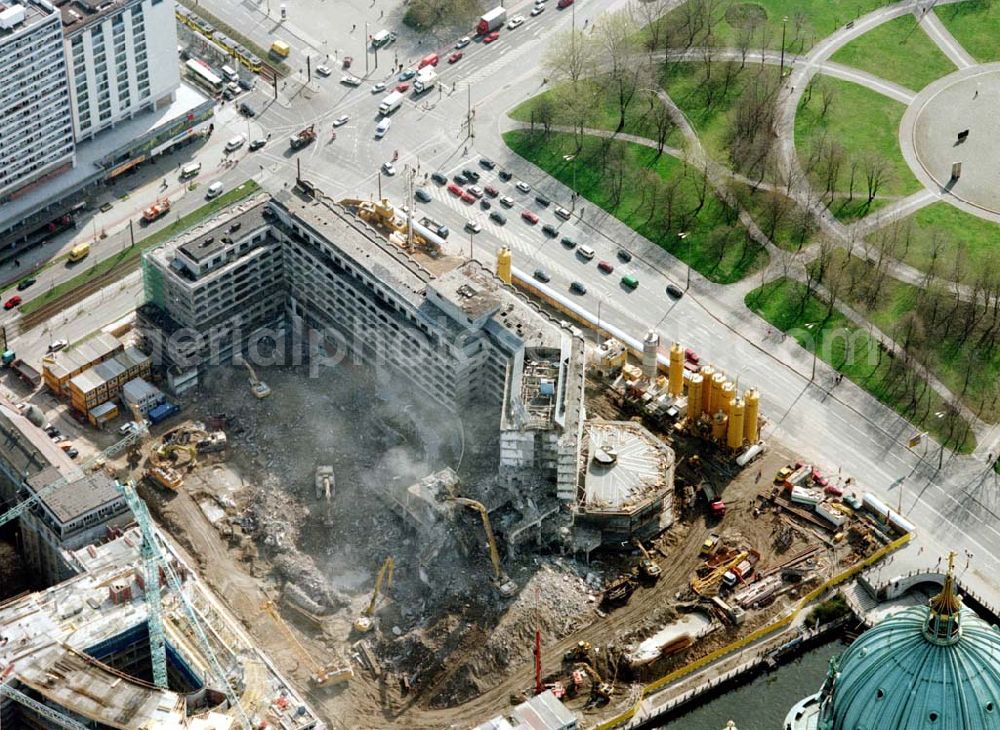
(780, 218)
(129, 254)
(949, 350)
(786, 305)
(657, 196)
(864, 124)
(808, 22)
(640, 115)
(958, 244)
(898, 51)
(976, 25)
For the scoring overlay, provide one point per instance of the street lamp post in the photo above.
(784, 25)
(684, 235)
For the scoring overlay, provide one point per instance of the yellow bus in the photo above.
(79, 251)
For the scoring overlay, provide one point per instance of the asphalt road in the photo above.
(836, 427)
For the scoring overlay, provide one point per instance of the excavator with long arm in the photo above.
(363, 623)
(504, 585)
(319, 676)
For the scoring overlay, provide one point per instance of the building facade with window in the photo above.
(122, 60)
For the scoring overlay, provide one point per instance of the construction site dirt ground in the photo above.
(252, 521)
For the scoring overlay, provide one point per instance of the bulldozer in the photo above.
(504, 585)
(364, 623)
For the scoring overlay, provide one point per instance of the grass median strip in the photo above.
(850, 350)
(128, 259)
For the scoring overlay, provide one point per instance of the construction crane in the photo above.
(363, 623)
(258, 387)
(53, 716)
(97, 459)
(154, 561)
(321, 676)
(649, 569)
(501, 580)
(599, 689)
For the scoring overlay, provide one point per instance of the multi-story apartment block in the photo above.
(122, 57)
(36, 133)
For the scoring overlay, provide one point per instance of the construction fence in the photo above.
(760, 633)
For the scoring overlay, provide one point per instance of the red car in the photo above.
(564, 4)
(14, 301)
(491, 191)
(455, 189)
(402, 88)
(606, 266)
(490, 37)
(468, 197)
(833, 490)
(456, 56)
(529, 216)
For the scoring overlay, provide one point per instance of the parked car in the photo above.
(542, 201)
(460, 178)
(235, 143)
(485, 204)
(341, 120)
(247, 110)
(543, 275)
(456, 56)
(14, 301)
(72, 452)
(25, 283)
(471, 174)
(491, 191)
(473, 227)
(568, 242)
(624, 255)
(629, 281)
(562, 213)
(57, 345)
(523, 186)
(476, 190)
(488, 164)
(550, 230)
(257, 144)
(497, 217)
(674, 291)
(324, 71)
(529, 217)
(388, 168)
(505, 175)
(439, 178)
(606, 266)
(577, 287)
(422, 195)
(507, 202)
(51, 430)
(454, 189)
(468, 197)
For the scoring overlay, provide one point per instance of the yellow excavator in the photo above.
(258, 387)
(647, 567)
(320, 676)
(600, 691)
(505, 586)
(363, 623)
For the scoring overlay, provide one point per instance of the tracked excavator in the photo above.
(320, 676)
(258, 387)
(600, 691)
(504, 585)
(364, 623)
(647, 567)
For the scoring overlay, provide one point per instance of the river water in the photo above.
(763, 703)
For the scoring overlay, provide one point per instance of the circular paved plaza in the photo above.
(968, 100)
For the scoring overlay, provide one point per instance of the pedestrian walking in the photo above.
(381, 13)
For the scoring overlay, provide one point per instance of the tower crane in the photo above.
(258, 387)
(320, 676)
(134, 437)
(363, 623)
(505, 586)
(647, 566)
(153, 561)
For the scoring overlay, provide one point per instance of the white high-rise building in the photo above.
(122, 57)
(36, 135)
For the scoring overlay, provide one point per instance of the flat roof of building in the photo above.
(34, 13)
(625, 465)
(28, 449)
(91, 151)
(77, 497)
(103, 372)
(78, 14)
(81, 355)
(138, 388)
(210, 238)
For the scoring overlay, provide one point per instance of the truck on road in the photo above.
(425, 80)
(304, 137)
(390, 103)
(157, 210)
(492, 20)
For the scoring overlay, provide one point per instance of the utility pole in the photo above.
(684, 235)
(365, 48)
(784, 25)
(472, 131)
(308, 69)
(131, 234)
(380, 185)
(274, 82)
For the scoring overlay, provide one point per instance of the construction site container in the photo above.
(750, 454)
(695, 402)
(883, 512)
(728, 394)
(751, 428)
(797, 477)
(734, 435)
(802, 495)
(504, 259)
(707, 371)
(719, 426)
(676, 383)
(832, 516)
(715, 397)
(650, 349)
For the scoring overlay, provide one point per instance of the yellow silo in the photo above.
(719, 426)
(734, 437)
(503, 264)
(695, 403)
(676, 386)
(707, 371)
(715, 400)
(728, 393)
(751, 419)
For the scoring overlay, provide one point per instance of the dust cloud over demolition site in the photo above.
(418, 489)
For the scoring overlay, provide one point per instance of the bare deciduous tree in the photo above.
(625, 76)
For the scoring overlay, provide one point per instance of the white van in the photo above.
(382, 127)
(585, 252)
(189, 171)
(214, 190)
(235, 143)
(230, 73)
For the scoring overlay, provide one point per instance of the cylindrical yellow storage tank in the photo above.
(719, 426)
(676, 385)
(715, 400)
(734, 436)
(695, 404)
(752, 417)
(728, 393)
(503, 264)
(707, 371)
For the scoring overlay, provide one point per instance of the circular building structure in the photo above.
(924, 668)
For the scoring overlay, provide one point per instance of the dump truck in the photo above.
(492, 20)
(304, 137)
(619, 591)
(22, 369)
(157, 210)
